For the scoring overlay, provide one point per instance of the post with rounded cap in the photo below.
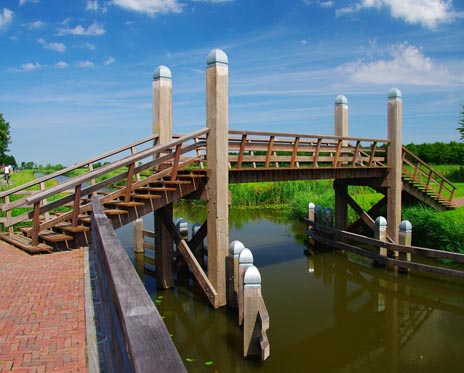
(217, 114)
(256, 318)
(341, 117)
(405, 238)
(245, 260)
(380, 233)
(138, 236)
(162, 126)
(162, 104)
(395, 148)
(235, 248)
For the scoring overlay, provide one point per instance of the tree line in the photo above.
(439, 152)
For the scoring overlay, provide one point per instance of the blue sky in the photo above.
(75, 75)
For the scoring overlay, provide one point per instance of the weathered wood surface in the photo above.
(148, 342)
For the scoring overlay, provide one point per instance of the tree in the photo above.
(5, 138)
(461, 123)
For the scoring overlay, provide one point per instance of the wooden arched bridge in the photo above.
(151, 174)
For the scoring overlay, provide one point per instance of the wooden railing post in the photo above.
(395, 112)
(217, 113)
(235, 248)
(405, 238)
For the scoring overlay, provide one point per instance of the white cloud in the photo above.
(30, 66)
(94, 6)
(109, 61)
(58, 47)
(427, 13)
(324, 4)
(93, 30)
(85, 64)
(6, 16)
(22, 2)
(36, 25)
(406, 65)
(150, 7)
(61, 65)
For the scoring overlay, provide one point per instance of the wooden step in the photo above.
(145, 196)
(157, 189)
(129, 204)
(51, 236)
(175, 182)
(25, 243)
(68, 227)
(112, 212)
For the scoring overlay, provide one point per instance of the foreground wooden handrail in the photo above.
(146, 345)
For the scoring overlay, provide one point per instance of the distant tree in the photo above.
(461, 122)
(5, 138)
(10, 160)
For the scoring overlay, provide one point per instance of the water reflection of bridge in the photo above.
(394, 306)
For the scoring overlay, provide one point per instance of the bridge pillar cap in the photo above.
(381, 221)
(394, 93)
(217, 56)
(405, 226)
(162, 72)
(181, 221)
(252, 277)
(311, 205)
(341, 100)
(245, 256)
(235, 248)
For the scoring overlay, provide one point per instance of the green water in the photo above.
(327, 313)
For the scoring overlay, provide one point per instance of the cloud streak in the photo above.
(6, 16)
(94, 29)
(150, 7)
(427, 13)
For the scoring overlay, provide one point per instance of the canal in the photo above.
(328, 313)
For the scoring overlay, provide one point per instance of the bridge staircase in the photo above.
(142, 177)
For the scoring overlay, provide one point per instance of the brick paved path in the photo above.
(42, 311)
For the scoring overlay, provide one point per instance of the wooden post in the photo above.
(218, 173)
(381, 233)
(395, 112)
(162, 125)
(405, 238)
(311, 212)
(256, 318)
(235, 248)
(245, 260)
(328, 217)
(341, 206)
(138, 236)
(162, 104)
(318, 214)
(164, 250)
(341, 117)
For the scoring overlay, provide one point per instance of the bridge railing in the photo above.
(426, 178)
(249, 149)
(67, 200)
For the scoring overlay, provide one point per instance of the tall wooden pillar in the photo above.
(162, 125)
(395, 122)
(217, 77)
(341, 129)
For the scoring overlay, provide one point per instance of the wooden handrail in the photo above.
(77, 166)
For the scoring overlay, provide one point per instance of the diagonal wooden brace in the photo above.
(186, 252)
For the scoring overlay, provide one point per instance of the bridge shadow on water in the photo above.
(329, 313)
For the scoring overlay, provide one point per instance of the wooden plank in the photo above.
(148, 341)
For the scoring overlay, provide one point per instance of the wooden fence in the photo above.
(343, 240)
(132, 335)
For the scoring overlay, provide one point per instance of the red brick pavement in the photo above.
(42, 311)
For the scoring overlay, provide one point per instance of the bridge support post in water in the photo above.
(405, 238)
(395, 121)
(235, 248)
(162, 125)
(341, 129)
(256, 317)
(245, 261)
(217, 114)
(380, 233)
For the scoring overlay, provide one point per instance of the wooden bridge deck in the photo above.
(142, 177)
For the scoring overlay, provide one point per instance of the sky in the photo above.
(76, 75)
